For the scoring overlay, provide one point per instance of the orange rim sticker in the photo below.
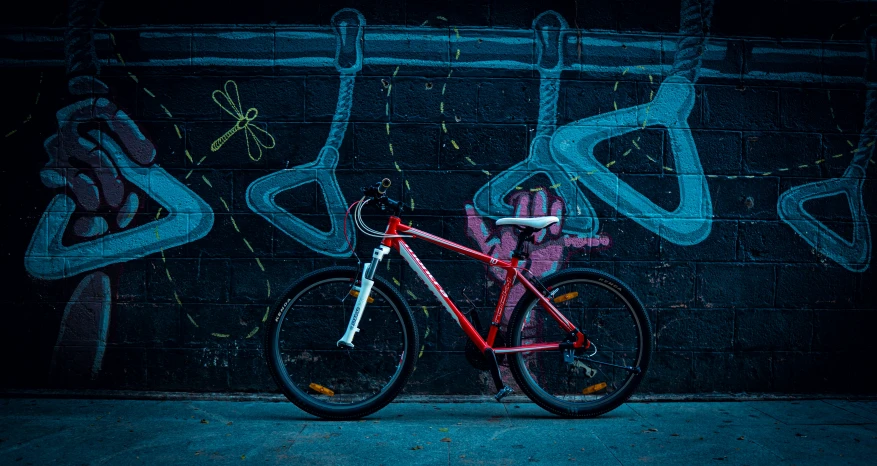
(594, 388)
(355, 294)
(323, 390)
(566, 297)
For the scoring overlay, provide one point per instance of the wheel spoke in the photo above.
(334, 382)
(613, 320)
(632, 370)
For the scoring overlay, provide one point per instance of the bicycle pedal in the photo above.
(506, 390)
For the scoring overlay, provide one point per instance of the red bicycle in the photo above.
(578, 342)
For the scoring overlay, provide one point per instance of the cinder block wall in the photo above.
(136, 259)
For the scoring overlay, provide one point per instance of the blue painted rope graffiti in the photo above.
(854, 255)
(490, 200)
(695, 18)
(691, 221)
(261, 194)
(79, 50)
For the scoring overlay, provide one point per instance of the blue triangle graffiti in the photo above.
(189, 218)
(691, 222)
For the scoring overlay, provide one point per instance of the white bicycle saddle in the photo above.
(535, 222)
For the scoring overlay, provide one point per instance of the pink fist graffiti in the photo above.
(78, 158)
(550, 248)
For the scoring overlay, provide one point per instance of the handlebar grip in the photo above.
(385, 183)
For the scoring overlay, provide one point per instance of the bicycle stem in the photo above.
(364, 290)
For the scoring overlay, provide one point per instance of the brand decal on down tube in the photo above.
(427, 278)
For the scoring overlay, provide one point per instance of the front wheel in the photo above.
(612, 317)
(317, 375)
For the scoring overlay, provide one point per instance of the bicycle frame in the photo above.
(395, 227)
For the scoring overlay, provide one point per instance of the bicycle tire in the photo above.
(529, 385)
(280, 373)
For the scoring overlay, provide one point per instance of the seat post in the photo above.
(521, 251)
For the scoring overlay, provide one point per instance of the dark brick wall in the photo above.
(767, 301)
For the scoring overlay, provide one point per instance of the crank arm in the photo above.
(633, 370)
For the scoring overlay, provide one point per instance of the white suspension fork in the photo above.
(364, 291)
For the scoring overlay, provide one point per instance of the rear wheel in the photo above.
(612, 317)
(317, 375)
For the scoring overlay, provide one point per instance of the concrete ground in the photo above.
(114, 432)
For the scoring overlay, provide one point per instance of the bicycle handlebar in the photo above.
(385, 183)
(377, 193)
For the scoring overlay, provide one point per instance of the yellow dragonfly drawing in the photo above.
(244, 119)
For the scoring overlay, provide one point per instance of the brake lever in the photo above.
(371, 192)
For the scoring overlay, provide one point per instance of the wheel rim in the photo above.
(305, 350)
(609, 319)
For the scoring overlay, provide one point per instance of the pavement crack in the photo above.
(30, 441)
(607, 448)
(508, 416)
(769, 450)
(449, 453)
(867, 421)
(753, 406)
(503, 431)
(630, 405)
(207, 413)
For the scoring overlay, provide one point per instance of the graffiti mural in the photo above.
(550, 249)
(100, 155)
(690, 222)
(348, 25)
(111, 167)
(853, 255)
(186, 215)
(86, 320)
(232, 98)
(491, 198)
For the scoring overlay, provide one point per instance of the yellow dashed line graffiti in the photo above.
(209, 184)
